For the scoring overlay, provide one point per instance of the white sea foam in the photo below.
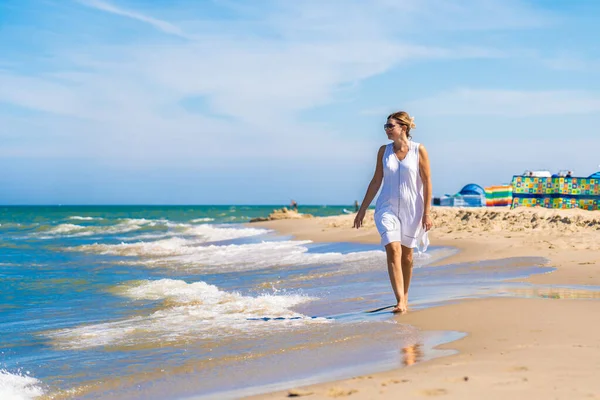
(191, 311)
(173, 230)
(203, 233)
(264, 255)
(197, 220)
(157, 248)
(195, 235)
(187, 253)
(18, 387)
(65, 229)
(79, 218)
(125, 225)
(143, 221)
(214, 233)
(147, 236)
(11, 224)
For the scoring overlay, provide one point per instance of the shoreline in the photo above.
(515, 346)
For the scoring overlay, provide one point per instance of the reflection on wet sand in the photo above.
(556, 292)
(412, 354)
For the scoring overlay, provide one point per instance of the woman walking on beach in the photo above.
(402, 212)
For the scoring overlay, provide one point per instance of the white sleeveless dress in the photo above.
(400, 205)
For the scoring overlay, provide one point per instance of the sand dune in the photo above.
(564, 229)
(457, 219)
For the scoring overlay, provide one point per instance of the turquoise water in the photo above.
(42, 216)
(148, 302)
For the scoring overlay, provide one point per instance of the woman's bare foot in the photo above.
(400, 307)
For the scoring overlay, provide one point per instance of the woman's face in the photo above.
(393, 129)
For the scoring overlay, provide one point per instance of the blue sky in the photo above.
(258, 102)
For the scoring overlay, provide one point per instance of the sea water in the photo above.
(190, 301)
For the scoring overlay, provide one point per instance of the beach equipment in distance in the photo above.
(557, 192)
(472, 189)
(472, 195)
(595, 175)
(538, 173)
(498, 196)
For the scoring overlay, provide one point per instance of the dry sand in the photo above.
(517, 348)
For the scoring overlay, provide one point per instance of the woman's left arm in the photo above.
(425, 172)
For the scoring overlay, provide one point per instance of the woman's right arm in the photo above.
(372, 189)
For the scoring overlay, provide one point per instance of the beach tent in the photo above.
(459, 200)
(472, 189)
(471, 195)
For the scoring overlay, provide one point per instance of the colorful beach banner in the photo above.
(559, 192)
(498, 196)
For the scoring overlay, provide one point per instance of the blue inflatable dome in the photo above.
(472, 188)
(595, 175)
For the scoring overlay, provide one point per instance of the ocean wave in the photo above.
(203, 233)
(190, 311)
(157, 248)
(172, 246)
(143, 221)
(65, 229)
(18, 386)
(173, 229)
(146, 236)
(263, 255)
(79, 218)
(177, 253)
(73, 230)
(215, 233)
(10, 225)
(197, 220)
(238, 217)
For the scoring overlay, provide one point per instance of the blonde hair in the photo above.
(404, 119)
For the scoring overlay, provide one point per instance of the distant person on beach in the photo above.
(356, 206)
(294, 205)
(569, 174)
(402, 212)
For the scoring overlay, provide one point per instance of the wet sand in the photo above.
(542, 344)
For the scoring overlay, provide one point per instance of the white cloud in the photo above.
(124, 101)
(163, 26)
(509, 103)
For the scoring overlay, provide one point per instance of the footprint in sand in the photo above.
(519, 369)
(339, 392)
(434, 392)
(298, 393)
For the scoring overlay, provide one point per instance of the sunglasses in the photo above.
(389, 126)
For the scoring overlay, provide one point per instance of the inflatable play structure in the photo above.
(556, 192)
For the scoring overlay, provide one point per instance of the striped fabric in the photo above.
(498, 196)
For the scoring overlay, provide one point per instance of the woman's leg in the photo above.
(407, 265)
(394, 262)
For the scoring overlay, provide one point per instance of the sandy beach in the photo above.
(540, 344)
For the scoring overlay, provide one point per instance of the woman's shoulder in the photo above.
(384, 147)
